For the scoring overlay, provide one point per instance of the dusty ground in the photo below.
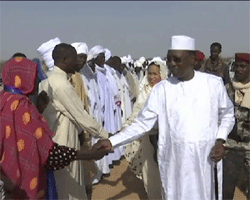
(123, 184)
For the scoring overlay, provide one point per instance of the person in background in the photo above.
(237, 158)
(27, 151)
(214, 64)
(140, 153)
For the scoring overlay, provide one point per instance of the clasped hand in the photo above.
(217, 152)
(104, 144)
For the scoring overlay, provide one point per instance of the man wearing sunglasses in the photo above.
(195, 116)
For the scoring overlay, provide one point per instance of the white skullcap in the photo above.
(182, 42)
(45, 51)
(94, 52)
(107, 54)
(80, 47)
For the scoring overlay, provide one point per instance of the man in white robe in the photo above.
(96, 59)
(67, 117)
(195, 116)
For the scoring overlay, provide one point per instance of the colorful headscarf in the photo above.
(25, 135)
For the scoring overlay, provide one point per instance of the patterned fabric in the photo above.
(60, 157)
(219, 69)
(25, 135)
(239, 138)
(20, 73)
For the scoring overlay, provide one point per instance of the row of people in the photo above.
(140, 153)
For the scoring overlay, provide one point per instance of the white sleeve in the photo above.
(142, 124)
(74, 109)
(226, 112)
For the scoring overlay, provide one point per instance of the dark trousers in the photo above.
(234, 162)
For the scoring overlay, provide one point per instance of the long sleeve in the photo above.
(142, 124)
(226, 113)
(68, 97)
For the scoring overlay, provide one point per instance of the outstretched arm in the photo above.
(142, 124)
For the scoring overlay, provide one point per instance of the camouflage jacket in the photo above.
(239, 138)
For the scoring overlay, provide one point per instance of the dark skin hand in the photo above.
(42, 101)
(218, 151)
(104, 144)
(90, 154)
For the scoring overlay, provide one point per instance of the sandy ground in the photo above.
(123, 184)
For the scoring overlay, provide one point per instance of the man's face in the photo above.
(214, 52)
(71, 61)
(179, 63)
(137, 69)
(81, 61)
(116, 64)
(100, 59)
(242, 71)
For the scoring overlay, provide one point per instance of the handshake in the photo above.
(103, 145)
(97, 152)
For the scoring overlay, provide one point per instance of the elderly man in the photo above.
(67, 117)
(215, 65)
(194, 115)
(237, 158)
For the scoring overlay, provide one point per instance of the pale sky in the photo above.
(130, 27)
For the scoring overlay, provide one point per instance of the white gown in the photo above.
(191, 115)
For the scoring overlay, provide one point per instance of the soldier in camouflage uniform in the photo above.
(238, 142)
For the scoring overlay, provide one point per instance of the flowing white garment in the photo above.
(191, 115)
(106, 116)
(90, 79)
(126, 103)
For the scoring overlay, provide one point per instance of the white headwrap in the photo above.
(137, 64)
(182, 42)
(124, 60)
(45, 51)
(94, 52)
(142, 59)
(129, 59)
(107, 54)
(80, 47)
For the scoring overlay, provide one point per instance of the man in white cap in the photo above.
(195, 116)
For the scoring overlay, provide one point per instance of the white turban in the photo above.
(129, 59)
(45, 51)
(94, 52)
(107, 54)
(80, 47)
(137, 64)
(142, 59)
(124, 60)
(182, 42)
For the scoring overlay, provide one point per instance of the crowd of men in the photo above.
(200, 112)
